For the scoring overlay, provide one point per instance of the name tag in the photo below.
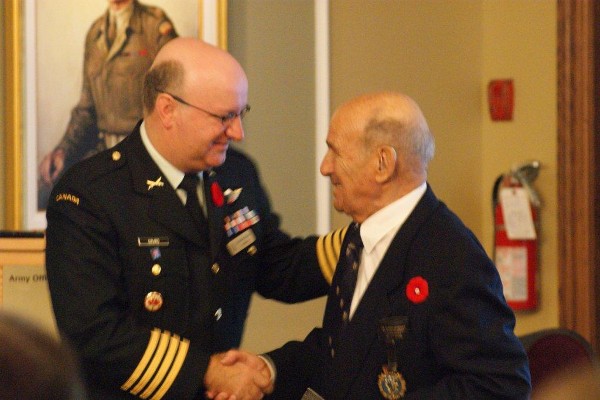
(241, 241)
(161, 241)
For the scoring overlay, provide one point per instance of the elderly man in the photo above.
(416, 309)
(154, 247)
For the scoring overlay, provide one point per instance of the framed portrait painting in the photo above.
(61, 44)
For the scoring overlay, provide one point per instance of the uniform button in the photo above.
(215, 268)
(218, 314)
(345, 316)
(337, 290)
(330, 340)
(153, 301)
(341, 303)
(252, 250)
(156, 268)
(332, 353)
(116, 155)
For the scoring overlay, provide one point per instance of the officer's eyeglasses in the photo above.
(225, 119)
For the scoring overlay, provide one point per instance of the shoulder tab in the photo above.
(99, 164)
(156, 17)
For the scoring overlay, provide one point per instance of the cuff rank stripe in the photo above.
(159, 366)
(328, 251)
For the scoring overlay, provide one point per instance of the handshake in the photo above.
(237, 375)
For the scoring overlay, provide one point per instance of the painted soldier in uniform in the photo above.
(119, 48)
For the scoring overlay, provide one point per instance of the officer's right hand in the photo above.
(51, 166)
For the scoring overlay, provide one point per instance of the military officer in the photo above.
(151, 278)
(119, 48)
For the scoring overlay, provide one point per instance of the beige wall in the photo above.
(519, 42)
(443, 53)
(430, 50)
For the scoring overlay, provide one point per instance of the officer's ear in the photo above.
(165, 109)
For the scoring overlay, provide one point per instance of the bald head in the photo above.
(195, 95)
(186, 64)
(392, 119)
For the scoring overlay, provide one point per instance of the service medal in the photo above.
(391, 332)
(391, 384)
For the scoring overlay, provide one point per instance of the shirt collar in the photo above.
(123, 15)
(390, 218)
(173, 175)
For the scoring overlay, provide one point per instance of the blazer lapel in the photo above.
(361, 334)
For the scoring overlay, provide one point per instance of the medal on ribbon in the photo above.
(391, 382)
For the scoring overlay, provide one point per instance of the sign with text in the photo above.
(25, 292)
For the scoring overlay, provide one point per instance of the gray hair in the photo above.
(411, 137)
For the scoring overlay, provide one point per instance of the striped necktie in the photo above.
(350, 272)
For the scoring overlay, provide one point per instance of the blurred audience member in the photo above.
(34, 365)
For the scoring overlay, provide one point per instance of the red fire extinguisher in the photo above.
(516, 207)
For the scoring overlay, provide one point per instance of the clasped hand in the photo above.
(237, 375)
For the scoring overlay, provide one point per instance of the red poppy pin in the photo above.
(417, 290)
(217, 194)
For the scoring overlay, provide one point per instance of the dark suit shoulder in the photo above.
(450, 226)
(239, 162)
(235, 155)
(92, 169)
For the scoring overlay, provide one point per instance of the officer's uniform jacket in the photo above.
(459, 342)
(143, 297)
(113, 78)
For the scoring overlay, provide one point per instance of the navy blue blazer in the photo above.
(459, 342)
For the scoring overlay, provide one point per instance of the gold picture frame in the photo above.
(210, 23)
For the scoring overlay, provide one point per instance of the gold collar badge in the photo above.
(157, 183)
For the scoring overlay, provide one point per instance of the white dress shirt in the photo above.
(171, 173)
(377, 232)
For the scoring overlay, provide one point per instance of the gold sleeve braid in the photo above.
(159, 366)
(328, 251)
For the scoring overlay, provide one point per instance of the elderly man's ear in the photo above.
(386, 163)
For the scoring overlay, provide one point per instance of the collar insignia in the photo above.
(157, 183)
